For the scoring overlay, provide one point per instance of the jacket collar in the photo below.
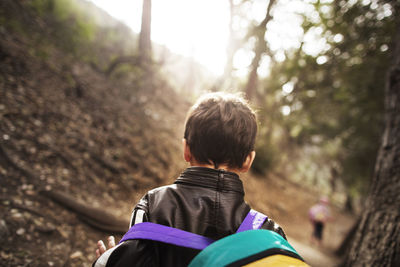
(219, 180)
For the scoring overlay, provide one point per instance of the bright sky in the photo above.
(192, 28)
(199, 28)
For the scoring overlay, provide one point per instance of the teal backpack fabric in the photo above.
(243, 248)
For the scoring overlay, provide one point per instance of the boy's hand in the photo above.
(101, 248)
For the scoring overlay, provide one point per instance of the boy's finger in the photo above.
(101, 246)
(111, 241)
(97, 253)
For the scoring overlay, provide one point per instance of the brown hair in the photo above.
(220, 129)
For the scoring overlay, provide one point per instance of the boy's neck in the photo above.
(210, 166)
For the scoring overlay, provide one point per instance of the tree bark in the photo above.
(377, 240)
(145, 33)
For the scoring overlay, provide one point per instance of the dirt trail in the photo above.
(287, 203)
(314, 256)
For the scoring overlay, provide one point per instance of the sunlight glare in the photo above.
(338, 38)
(199, 29)
(313, 43)
(264, 68)
(287, 88)
(322, 60)
(241, 61)
(285, 110)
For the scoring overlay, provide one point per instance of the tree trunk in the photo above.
(232, 46)
(145, 33)
(260, 48)
(377, 240)
(348, 239)
(225, 82)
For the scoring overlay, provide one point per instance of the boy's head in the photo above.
(221, 129)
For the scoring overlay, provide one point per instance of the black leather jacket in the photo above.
(204, 201)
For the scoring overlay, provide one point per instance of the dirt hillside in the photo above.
(70, 136)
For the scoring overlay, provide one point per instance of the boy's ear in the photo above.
(249, 160)
(187, 155)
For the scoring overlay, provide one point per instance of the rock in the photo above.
(4, 232)
(76, 254)
(17, 216)
(30, 192)
(20, 231)
(47, 228)
(37, 123)
(4, 255)
(63, 233)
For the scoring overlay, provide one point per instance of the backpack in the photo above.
(249, 245)
(319, 213)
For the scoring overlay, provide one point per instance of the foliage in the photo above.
(71, 29)
(266, 155)
(337, 93)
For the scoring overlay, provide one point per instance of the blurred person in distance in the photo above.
(319, 215)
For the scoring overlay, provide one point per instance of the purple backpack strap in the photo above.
(254, 220)
(161, 233)
(166, 234)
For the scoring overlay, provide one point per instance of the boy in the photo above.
(208, 197)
